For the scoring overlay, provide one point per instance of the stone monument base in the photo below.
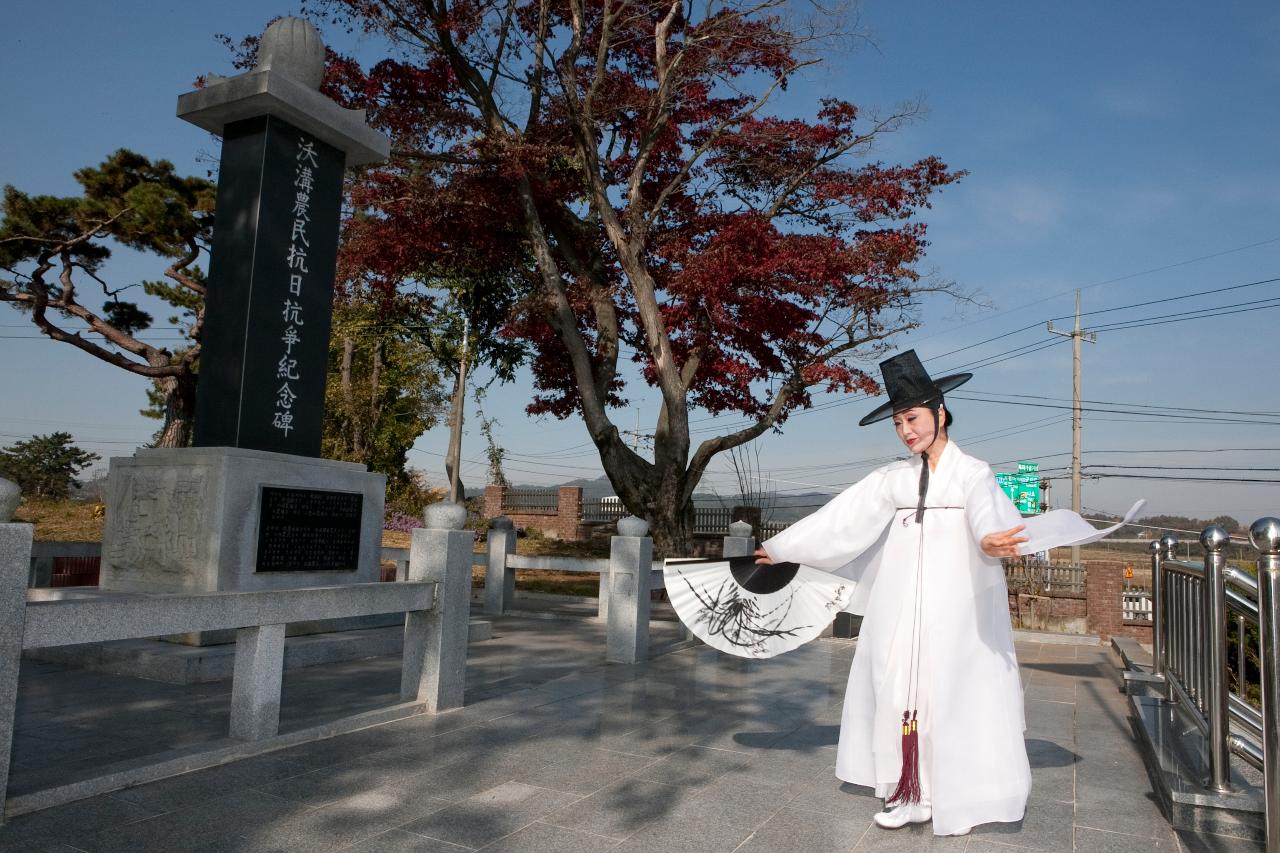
(217, 519)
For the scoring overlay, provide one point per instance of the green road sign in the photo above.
(1023, 487)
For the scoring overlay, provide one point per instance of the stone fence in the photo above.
(1087, 599)
(627, 578)
(435, 596)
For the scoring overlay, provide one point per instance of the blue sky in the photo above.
(1124, 148)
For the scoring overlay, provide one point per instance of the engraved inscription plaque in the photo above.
(308, 530)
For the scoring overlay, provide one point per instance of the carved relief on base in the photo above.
(155, 523)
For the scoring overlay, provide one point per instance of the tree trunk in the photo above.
(350, 410)
(453, 457)
(179, 410)
(672, 530)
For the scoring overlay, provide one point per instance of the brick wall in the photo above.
(1062, 612)
(1103, 586)
(492, 501)
(563, 523)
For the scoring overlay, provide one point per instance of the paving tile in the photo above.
(1098, 841)
(685, 834)
(586, 772)
(1047, 825)
(621, 809)
(743, 803)
(1052, 719)
(1133, 812)
(1119, 768)
(1048, 693)
(180, 791)
(797, 831)
(72, 822)
(471, 775)
(209, 827)
(340, 824)
(694, 766)
(695, 751)
(399, 841)
(490, 815)
(540, 837)
(831, 796)
(914, 837)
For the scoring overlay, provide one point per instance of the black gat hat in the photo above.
(909, 385)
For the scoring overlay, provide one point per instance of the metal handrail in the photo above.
(1191, 607)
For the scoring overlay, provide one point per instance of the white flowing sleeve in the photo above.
(836, 534)
(988, 509)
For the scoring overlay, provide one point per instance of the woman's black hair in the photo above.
(947, 423)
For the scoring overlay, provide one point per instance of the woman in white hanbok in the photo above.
(923, 547)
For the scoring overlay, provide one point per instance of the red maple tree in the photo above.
(616, 157)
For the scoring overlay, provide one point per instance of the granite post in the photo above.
(739, 543)
(435, 640)
(15, 560)
(256, 682)
(630, 565)
(499, 578)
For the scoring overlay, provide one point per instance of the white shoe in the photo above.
(903, 814)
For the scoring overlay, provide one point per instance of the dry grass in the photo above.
(62, 520)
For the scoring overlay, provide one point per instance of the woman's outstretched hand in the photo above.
(762, 558)
(1004, 543)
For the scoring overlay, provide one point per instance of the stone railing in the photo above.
(434, 596)
(627, 577)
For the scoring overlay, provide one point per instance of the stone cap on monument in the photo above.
(285, 83)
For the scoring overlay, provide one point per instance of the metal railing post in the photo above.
(1157, 611)
(1214, 540)
(1265, 536)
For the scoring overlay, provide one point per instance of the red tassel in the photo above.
(908, 790)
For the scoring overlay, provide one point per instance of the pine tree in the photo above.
(45, 466)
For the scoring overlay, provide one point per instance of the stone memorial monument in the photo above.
(251, 505)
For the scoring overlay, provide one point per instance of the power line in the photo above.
(1176, 298)
(1146, 414)
(1182, 479)
(1123, 403)
(1113, 280)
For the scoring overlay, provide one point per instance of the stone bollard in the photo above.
(739, 542)
(15, 560)
(630, 565)
(499, 578)
(435, 640)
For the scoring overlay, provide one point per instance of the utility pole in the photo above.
(638, 437)
(1077, 335)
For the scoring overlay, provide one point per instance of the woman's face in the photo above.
(915, 427)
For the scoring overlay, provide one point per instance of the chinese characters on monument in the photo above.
(296, 268)
(262, 371)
